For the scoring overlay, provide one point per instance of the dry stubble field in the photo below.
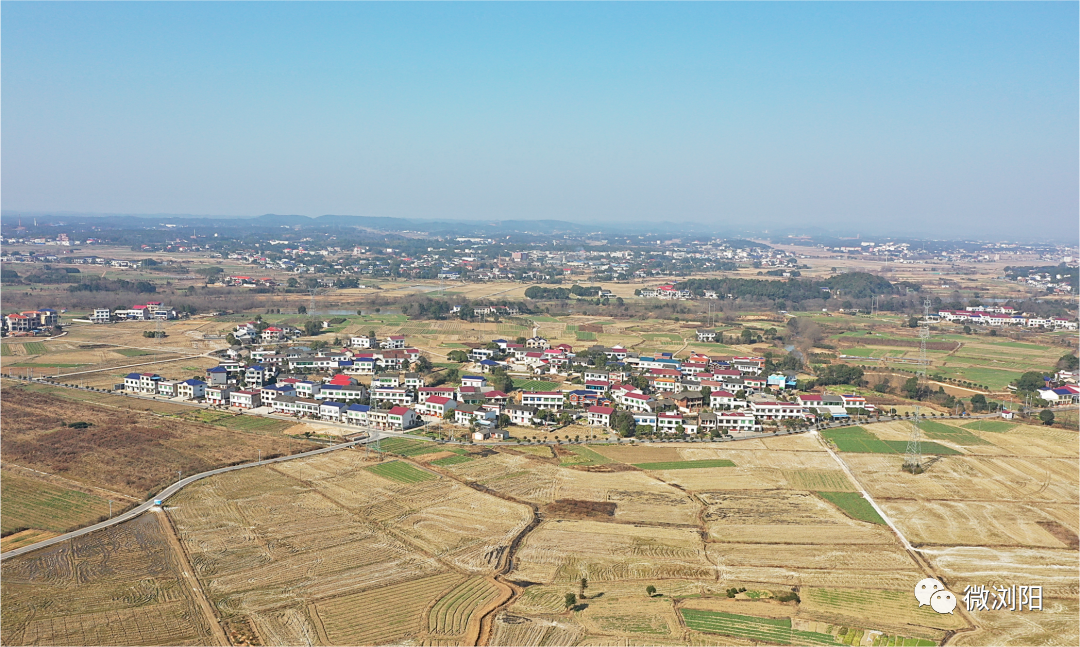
(326, 551)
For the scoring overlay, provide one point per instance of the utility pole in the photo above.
(110, 508)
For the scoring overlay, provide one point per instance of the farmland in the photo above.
(32, 503)
(859, 440)
(448, 545)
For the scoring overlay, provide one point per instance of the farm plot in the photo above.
(967, 523)
(120, 586)
(411, 447)
(854, 505)
(401, 472)
(1055, 625)
(31, 503)
(449, 618)
(391, 614)
(685, 465)
(942, 431)
(784, 517)
(993, 426)
(580, 455)
(565, 551)
(890, 611)
(35, 348)
(859, 440)
(512, 629)
(869, 566)
(987, 478)
(776, 631)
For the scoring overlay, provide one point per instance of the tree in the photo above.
(293, 283)
(582, 585)
(301, 310)
(504, 421)
(747, 336)
(457, 356)
(231, 340)
(978, 402)
(312, 328)
(624, 423)
(1030, 381)
(422, 364)
(1047, 417)
(650, 590)
(569, 600)
(1068, 362)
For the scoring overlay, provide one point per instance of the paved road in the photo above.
(176, 487)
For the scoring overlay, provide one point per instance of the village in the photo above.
(379, 383)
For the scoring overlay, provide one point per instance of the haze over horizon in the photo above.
(941, 119)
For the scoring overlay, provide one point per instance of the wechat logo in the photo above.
(934, 593)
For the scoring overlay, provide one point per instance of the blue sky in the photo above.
(942, 118)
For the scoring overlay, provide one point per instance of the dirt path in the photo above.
(188, 574)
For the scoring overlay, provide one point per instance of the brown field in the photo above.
(122, 586)
(130, 452)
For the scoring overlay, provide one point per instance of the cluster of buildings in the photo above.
(30, 322)
(1051, 282)
(1002, 316)
(150, 311)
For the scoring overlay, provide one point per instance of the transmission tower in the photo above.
(311, 308)
(913, 458)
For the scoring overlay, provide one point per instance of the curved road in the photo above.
(373, 435)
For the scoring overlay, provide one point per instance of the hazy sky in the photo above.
(942, 118)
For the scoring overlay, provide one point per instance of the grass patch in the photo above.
(857, 440)
(535, 385)
(942, 431)
(685, 465)
(400, 472)
(451, 460)
(35, 348)
(583, 456)
(5, 350)
(996, 379)
(854, 505)
(585, 336)
(995, 426)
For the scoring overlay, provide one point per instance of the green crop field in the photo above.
(685, 465)
(942, 431)
(585, 336)
(35, 348)
(535, 385)
(996, 379)
(860, 441)
(255, 423)
(583, 456)
(778, 631)
(995, 426)
(775, 631)
(29, 503)
(5, 350)
(133, 352)
(411, 447)
(400, 472)
(451, 460)
(854, 505)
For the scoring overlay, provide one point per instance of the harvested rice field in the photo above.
(450, 545)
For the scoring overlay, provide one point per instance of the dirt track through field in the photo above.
(188, 573)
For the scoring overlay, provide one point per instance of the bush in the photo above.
(79, 425)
